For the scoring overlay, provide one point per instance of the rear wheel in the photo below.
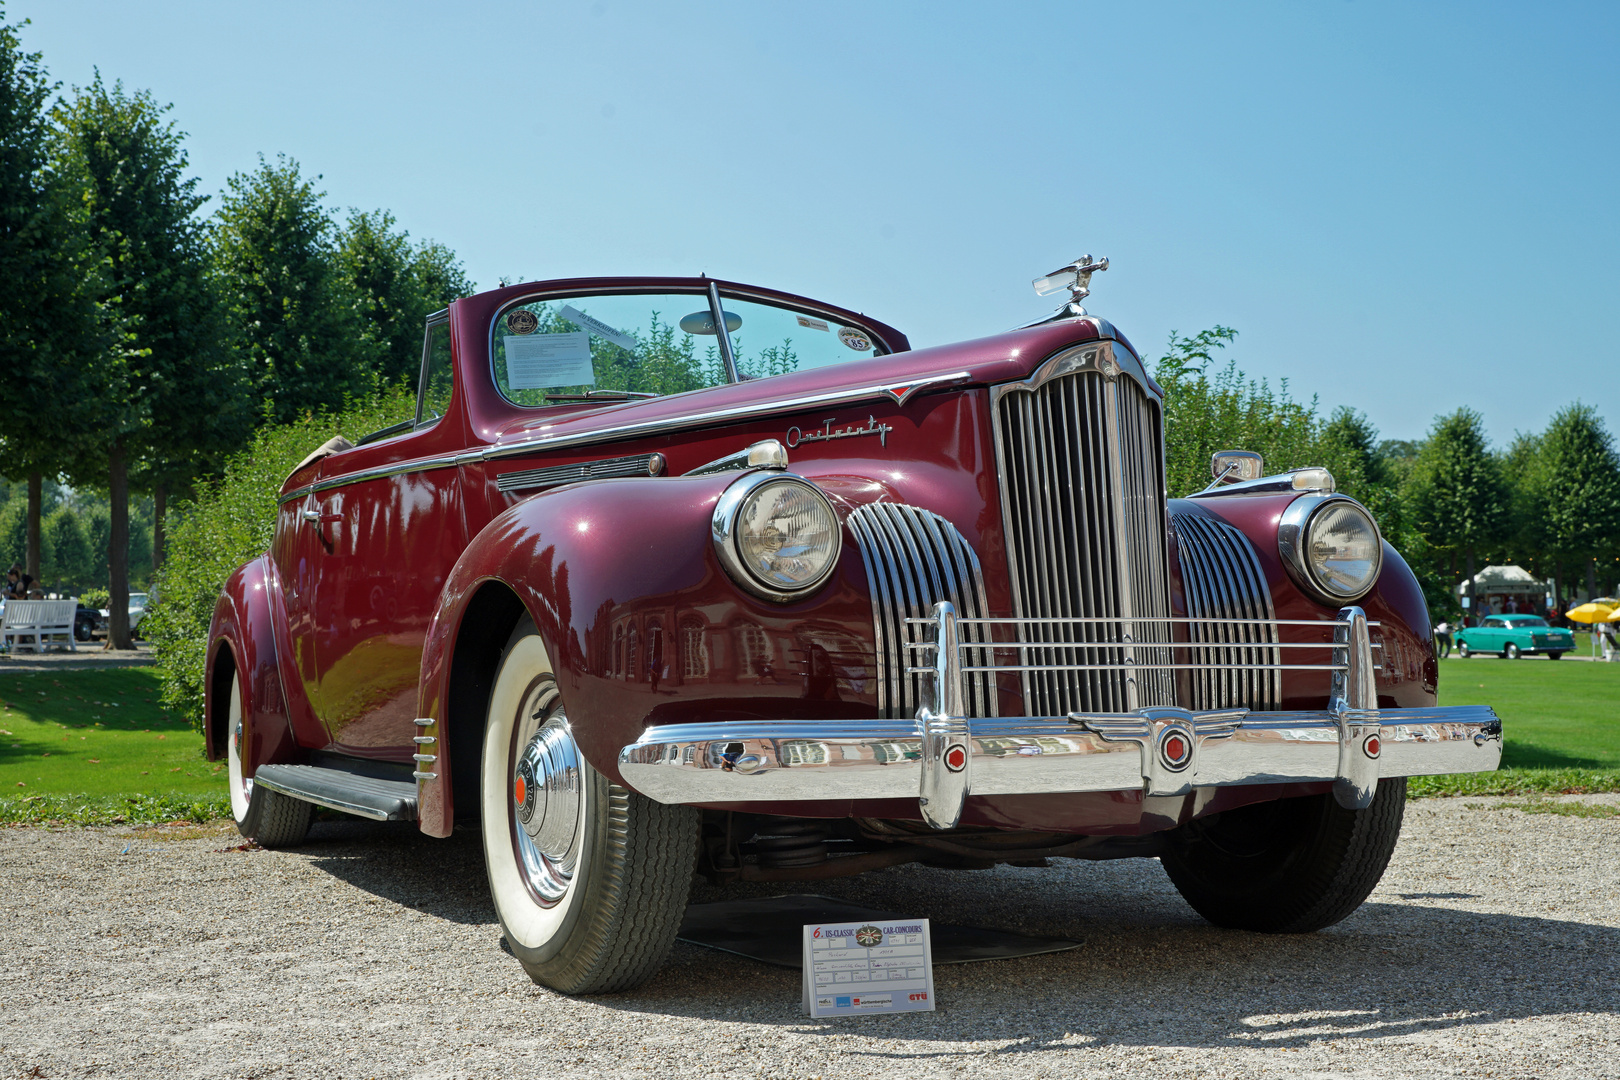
(269, 817)
(1510, 651)
(1289, 866)
(1555, 656)
(589, 879)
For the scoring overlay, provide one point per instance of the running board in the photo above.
(347, 792)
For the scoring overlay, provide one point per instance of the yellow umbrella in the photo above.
(1592, 613)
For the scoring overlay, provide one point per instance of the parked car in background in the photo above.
(139, 604)
(87, 623)
(673, 574)
(1512, 636)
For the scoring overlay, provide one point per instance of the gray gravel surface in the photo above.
(1492, 948)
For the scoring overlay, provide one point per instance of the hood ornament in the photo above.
(1076, 277)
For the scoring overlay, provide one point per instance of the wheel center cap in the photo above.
(547, 791)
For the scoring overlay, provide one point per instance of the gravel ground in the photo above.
(1492, 948)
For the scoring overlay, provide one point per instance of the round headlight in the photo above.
(1333, 547)
(777, 535)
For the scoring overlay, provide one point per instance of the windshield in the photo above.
(1531, 622)
(560, 349)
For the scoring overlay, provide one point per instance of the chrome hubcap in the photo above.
(547, 800)
(236, 753)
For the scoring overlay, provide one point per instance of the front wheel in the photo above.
(589, 879)
(268, 817)
(1463, 650)
(1289, 866)
(1510, 651)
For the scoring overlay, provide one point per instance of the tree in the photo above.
(1225, 411)
(395, 287)
(1577, 486)
(183, 395)
(1456, 499)
(59, 344)
(273, 247)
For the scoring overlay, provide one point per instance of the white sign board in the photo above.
(856, 968)
(546, 361)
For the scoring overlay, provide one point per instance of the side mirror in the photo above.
(1225, 465)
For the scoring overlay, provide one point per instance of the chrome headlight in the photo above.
(1331, 546)
(776, 535)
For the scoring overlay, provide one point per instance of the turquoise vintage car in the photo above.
(1511, 636)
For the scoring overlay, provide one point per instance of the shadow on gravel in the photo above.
(1150, 972)
(394, 861)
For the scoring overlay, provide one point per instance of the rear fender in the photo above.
(244, 637)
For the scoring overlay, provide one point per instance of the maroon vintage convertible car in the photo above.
(672, 574)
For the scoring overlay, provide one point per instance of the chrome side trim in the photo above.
(381, 472)
(603, 468)
(1221, 578)
(1301, 480)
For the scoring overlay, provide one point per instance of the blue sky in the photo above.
(1404, 208)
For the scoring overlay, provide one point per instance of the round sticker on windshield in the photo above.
(854, 339)
(522, 321)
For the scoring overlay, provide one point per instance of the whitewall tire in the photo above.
(589, 878)
(269, 817)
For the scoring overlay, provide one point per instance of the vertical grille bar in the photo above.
(915, 558)
(1222, 579)
(1082, 489)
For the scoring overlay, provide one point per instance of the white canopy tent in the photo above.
(1498, 587)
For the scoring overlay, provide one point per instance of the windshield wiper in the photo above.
(601, 395)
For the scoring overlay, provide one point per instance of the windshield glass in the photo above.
(561, 349)
(1532, 622)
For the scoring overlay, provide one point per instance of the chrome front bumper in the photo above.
(942, 757)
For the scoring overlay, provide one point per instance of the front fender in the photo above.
(1409, 671)
(642, 624)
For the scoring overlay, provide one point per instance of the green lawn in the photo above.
(98, 732)
(1555, 714)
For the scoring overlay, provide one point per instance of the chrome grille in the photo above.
(915, 558)
(1082, 497)
(1221, 578)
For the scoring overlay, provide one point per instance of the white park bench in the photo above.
(38, 621)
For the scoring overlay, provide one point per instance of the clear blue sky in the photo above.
(1401, 207)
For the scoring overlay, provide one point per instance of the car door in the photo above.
(392, 528)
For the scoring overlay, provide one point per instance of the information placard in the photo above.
(856, 968)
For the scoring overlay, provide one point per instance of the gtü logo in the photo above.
(919, 997)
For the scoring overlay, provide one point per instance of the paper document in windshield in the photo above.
(548, 361)
(853, 968)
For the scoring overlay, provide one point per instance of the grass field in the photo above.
(92, 746)
(1555, 714)
(98, 738)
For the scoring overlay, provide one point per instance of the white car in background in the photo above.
(139, 603)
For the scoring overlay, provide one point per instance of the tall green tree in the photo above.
(59, 344)
(1210, 407)
(1456, 499)
(305, 343)
(1578, 488)
(184, 394)
(395, 286)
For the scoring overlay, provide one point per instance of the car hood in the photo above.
(1002, 358)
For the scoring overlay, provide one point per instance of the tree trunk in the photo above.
(36, 500)
(118, 551)
(1558, 590)
(160, 503)
(1591, 579)
(1473, 602)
